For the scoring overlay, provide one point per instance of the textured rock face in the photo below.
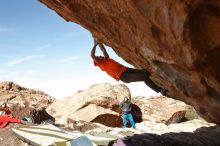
(25, 102)
(99, 103)
(159, 109)
(178, 41)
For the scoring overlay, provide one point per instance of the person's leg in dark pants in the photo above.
(152, 85)
(135, 75)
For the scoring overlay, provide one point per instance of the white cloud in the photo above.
(15, 76)
(8, 76)
(21, 60)
(70, 58)
(2, 71)
(44, 47)
(31, 72)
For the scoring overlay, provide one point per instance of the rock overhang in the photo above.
(177, 41)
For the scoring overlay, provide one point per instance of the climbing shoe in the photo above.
(164, 91)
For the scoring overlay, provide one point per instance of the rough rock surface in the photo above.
(178, 41)
(196, 132)
(104, 97)
(25, 102)
(99, 103)
(177, 117)
(7, 138)
(158, 109)
(79, 125)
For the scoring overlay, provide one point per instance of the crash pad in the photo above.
(80, 141)
(49, 134)
(99, 140)
(121, 142)
(101, 134)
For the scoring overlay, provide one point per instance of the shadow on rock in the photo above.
(111, 120)
(37, 115)
(136, 113)
(204, 136)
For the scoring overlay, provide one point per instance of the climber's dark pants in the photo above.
(135, 75)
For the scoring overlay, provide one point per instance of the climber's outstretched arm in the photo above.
(94, 50)
(103, 50)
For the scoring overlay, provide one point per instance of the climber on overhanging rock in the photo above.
(120, 72)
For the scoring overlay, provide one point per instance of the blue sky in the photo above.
(39, 49)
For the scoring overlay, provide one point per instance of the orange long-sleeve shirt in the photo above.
(111, 67)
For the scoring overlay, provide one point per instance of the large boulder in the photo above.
(24, 102)
(99, 103)
(158, 109)
(178, 41)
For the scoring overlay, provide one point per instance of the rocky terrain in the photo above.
(160, 109)
(178, 41)
(196, 132)
(99, 103)
(24, 102)
(150, 114)
(95, 110)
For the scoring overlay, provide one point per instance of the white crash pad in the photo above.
(45, 135)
